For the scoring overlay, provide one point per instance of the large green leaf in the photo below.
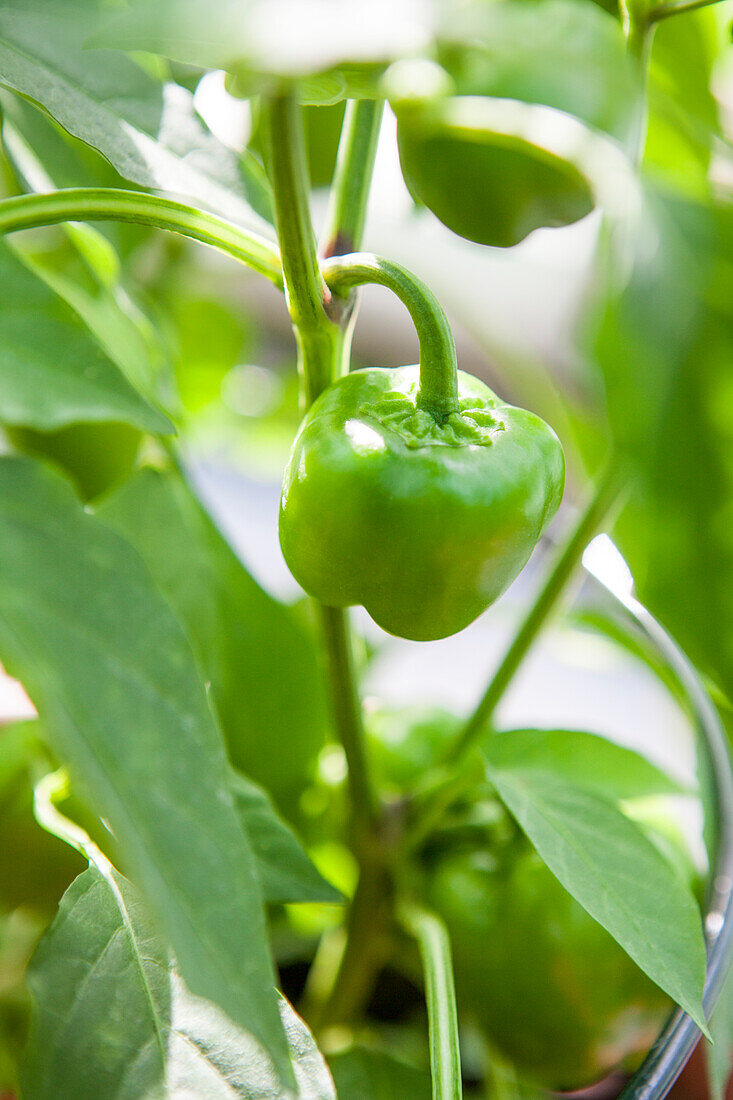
(664, 346)
(81, 265)
(274, 37)
(148, 131)
(52, 371)
(683, 111)
(285, 872)
(567, 54)
(607, 863)
(84, 628)
(581, 759)
(361, 1072)
(262, 665)
(113, 1017)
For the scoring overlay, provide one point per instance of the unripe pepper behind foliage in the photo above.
(551, 989)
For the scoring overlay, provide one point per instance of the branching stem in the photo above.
(113, 204)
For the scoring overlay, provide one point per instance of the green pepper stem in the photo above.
(113, 204)
(348, 204)
(316, 335)
(440, 995)
(354, 167)
(607, 493)
(438, 390)
(319, 345)
(365, 951)
(639, 31)
(347, 713)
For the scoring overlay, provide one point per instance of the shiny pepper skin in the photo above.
(424, 523)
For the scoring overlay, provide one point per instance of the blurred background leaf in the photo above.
(663, 345)
(272, 37)
(54, 372)
(566, 54)
(361, 1072)
(261, 662)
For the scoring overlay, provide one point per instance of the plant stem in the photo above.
(319, 345)
(348, 204)
(440, 995)
(365, 951)
(305, 290)
(607, 492)
(347, 715)
(639, 31)
(354, 166)
(112, 204)
(438, 391)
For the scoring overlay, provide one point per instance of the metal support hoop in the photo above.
(678, 1038)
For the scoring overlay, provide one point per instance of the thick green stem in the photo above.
(348, 204)
(367, 947)
(111, 204)
(607, 493)
(319, 344)
(639, 30)
(347, 716)
(438, 392)
(354, 166)
(316, 335)
(440, 995)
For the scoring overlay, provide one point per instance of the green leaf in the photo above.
(583, 760)
(360, 1072)
(150, 132)
(262, 665)
(663, 344)
(607, 863)
(52, 372)
(114, 1018)
(566, 54)
(683, 111)
(285, 872)
(274, 37)
(512, 181)
(35, 868)
(84, 628)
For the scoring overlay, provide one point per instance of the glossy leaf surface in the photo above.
(148, 130)
(111, 673)
(113, 1017)
(582, 759)
(607, 863)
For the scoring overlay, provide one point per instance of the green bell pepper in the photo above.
(423, 519)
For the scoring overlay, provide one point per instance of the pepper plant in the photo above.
(271, 864)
